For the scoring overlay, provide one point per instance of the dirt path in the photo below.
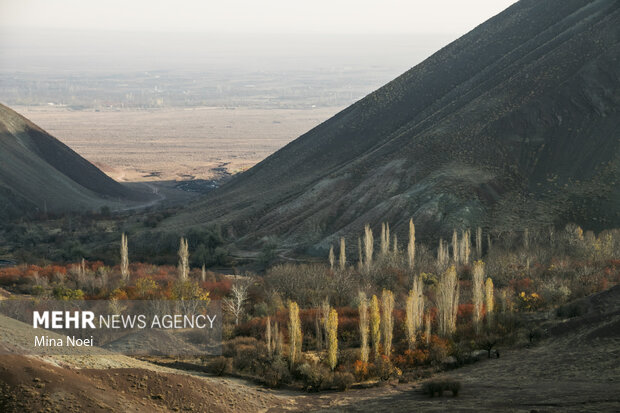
(155, 191)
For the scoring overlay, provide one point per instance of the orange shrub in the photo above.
(217, 289)
(411, 358)
(360, 370)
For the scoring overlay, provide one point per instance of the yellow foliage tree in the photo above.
(448, 301)
(332, 339)
(411, 245)
(294, 330)
(489, 300)
(375, 325)
(369, 245)
(414, 310)
(363, 310)
(477, 287)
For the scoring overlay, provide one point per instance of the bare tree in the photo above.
(387, 321)
(331, 257)
(235, 304)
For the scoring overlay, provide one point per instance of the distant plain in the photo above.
(175, 143)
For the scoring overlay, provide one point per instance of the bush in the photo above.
(411, 358)
(361, 370)
(219, 366)
(246, 353)
(342, 380)
(276, 372)
(439, 349)
(438, 387)
(314, 377)
(229, 349)
(571, 310)
(245, 358)
(384, 369)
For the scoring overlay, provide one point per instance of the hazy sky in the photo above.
(256, 16)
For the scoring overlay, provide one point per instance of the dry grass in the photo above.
(169, 144)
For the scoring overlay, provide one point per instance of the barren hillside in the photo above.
(38, 173)
(514, 124)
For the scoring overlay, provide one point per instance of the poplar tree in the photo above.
(124, 258)
(414, 310)
(360, 254)
(455, 247)
(479, 243)
(183, 260)
(477, 293)
(489, 301)
(411, 245)
(387, 322)
(268, 337)
(375, 325)
(383, 242)
(343, 254)
(427, 328)
(363, 311)
(279, 347)
(294, 331)
(368, 247)
(448, 301)
(395, 246)
(332, 339)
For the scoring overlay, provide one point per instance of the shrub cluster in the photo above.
(436, 387)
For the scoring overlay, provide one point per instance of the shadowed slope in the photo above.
(514, 124)
(38, 172)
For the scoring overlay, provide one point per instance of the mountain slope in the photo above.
(514, 124)
(38, 173)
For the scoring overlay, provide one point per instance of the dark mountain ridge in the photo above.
(514, 124)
